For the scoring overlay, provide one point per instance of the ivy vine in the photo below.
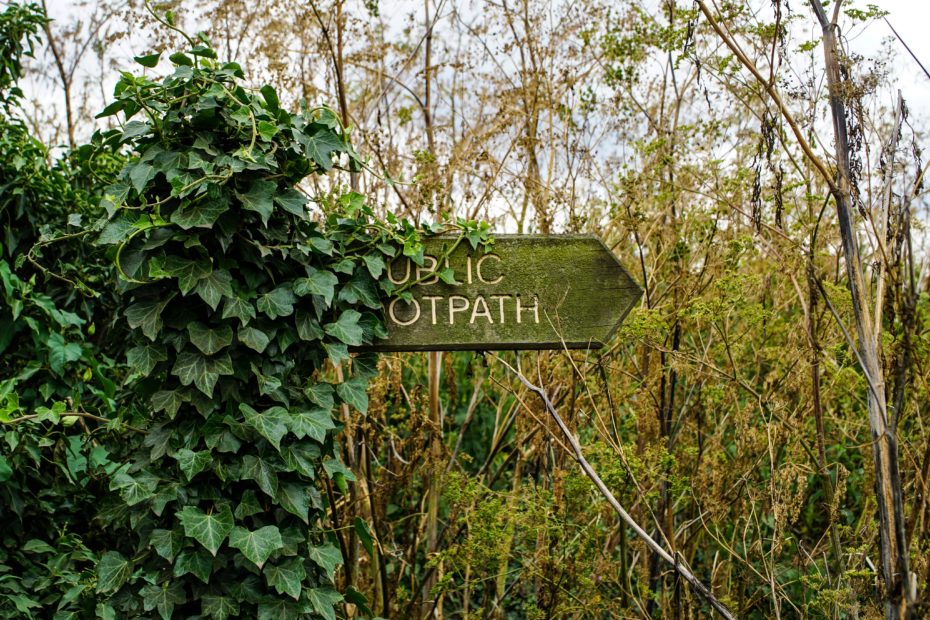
(241, 304)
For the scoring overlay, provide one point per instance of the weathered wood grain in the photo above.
(529, 292)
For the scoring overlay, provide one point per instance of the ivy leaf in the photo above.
(336, 351)
(145, 357)
(61, 352)
(321, 394)
(168, 401)
(203, 372)
(219, 607)
(279, 302)
(271, 97)
(147, 316)
(200, 214)
(259, 470)
(270, 424)
(209, 340)
(149, 60)
(256, 546)
(308, 328)
(346, 328)
(195, 561)
(320, 146)
(167, 543)
(188, 272)
(295, 499)
(313, 423)
(327, 557)
(324, 601)
(294, 202)
(134, 489)
(365, 365)
(210, 530)
(300, 456)
(239, 308)
(375, 265)
(192, 463)
(277, 609)
(319, 282)
(113, 570)
(248, 505)
(253, 338)
(140, 174)
(214, 287)
(259, 198)
(354, 392)
(162, 598)
(287, 577)
(360, 288)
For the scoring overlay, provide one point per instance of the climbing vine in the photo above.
(243, 297)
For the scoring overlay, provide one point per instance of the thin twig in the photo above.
(677, 562)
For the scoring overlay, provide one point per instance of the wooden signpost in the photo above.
(528, 292)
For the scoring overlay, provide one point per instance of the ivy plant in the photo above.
(242, 295)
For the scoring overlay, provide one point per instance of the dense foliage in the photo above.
(183, 421)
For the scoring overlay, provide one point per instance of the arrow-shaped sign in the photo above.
(528, 292)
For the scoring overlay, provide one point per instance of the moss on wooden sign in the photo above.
(527, 292)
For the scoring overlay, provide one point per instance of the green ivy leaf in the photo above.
(294, 202)
(134, 489)
(168, 401)
(346, 328)
(313, 423)
(163, 598)
(209, 340)
(203, 372)
(300, 457)
(320, 146)
(319, 282)
(259, 198)
(200, 214)
(146, 315)
(149, 60)
(375, 265)
(271, 97)
(295, 498)
(113, 570)
(308, 328)
(324, 601)
(321, 394)
(270, 424)
(248, 505)
(327, 557)
(257, 546)
(192, 463)
(145, 357)
(279, 302)
(61, 352)
(354, 392)
(140, 174)
(336, 351)
(214, 287)
(239, 308)
(210, 530)
(253, 338)
(286, 577)
(195, 561)
(167, 543)
(188, 272)
(277, 609)
(219, 607)
(259, 470)
(361, 288)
